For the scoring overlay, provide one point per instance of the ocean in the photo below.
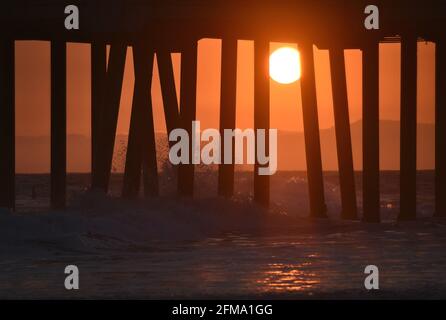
(209, 247)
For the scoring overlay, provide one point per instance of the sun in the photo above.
(284, 65)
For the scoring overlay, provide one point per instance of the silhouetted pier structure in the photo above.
(162, 27)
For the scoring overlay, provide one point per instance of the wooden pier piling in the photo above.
(111, 102)
(188, 109)
(227, 112)
(261, 115)
(58, 123)
(168, 91)
(315, 178)
(98, 77)
(7, 124)
(408, 136)
(440, 127)
(141, 148)
(370, 133)
(343, 135)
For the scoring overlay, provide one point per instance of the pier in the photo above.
(171, 26)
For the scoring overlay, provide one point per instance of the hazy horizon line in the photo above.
(165, 132)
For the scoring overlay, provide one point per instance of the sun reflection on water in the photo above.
(287, 277)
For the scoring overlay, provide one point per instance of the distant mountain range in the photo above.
(33, 153)
(289, 159)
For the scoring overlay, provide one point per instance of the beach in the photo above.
(215, 248)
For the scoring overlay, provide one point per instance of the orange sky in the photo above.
(33, 88)
(285, 99)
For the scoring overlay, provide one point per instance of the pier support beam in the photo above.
(7, 124)
(98, 76)
(261, 115)
(188, 108)
(408, 136)
(112, 98)
(58, 123)
(370, 133)
(168, 91)
(343, 136)
(318, 208)
(141, 149)
(227, 112)
(440, 128)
